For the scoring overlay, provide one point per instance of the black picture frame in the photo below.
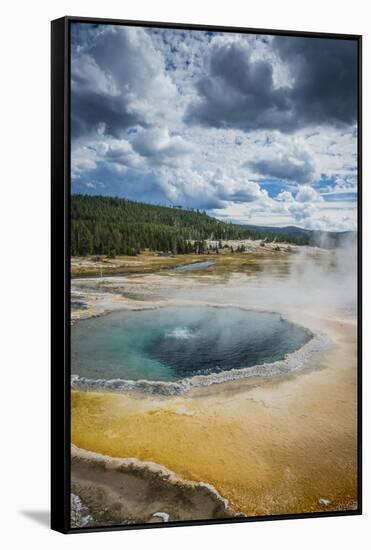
(60, 272)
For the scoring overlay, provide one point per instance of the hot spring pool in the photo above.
(172, 343)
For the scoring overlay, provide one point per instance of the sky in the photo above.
(253, 129)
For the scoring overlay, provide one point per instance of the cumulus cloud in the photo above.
(307, 194)
(233, 186)
(324, 72)
(239, 91)
(88, 156)
(118, 80)
(285, 196)
(298, 168)
(161, 148)
(301, 212)
(208, 190)
(120, 151)
(252, 129)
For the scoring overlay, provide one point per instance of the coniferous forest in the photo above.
(115, 226)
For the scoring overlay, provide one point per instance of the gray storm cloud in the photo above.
(231, 123)
(238, 90)
(300, 169)
(118, 81)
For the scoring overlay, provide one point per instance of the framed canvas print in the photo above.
(206, 274)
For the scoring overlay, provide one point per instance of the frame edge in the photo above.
(60, 276)
(60, 433)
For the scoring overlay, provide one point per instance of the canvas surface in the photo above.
(213, 275)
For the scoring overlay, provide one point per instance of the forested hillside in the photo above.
(107, 225)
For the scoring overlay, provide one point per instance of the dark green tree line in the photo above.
(110, 226)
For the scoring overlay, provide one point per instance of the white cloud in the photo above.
(307, 194)
(161, 148)
(285, 196)
(131, 88)
(119, 79)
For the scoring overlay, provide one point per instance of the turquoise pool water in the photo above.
(172, 343)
